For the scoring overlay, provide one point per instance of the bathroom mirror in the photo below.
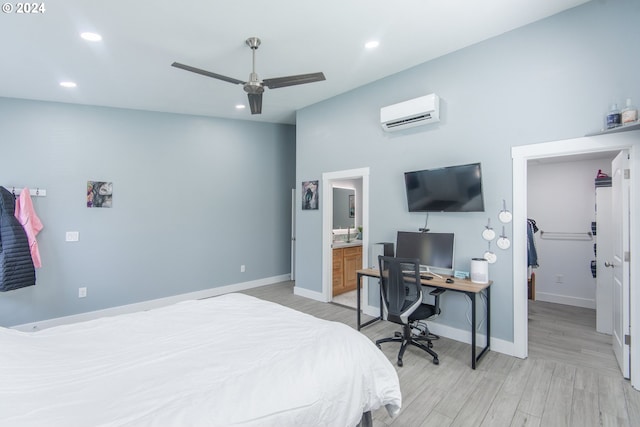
(343, 208)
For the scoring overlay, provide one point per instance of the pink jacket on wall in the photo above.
(26, 215)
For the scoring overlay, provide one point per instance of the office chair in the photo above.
(402, 304)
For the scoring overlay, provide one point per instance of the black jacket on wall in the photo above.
(16, 264)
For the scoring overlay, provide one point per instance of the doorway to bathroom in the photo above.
(345, 233)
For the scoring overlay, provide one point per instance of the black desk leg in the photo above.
(473, 329)
(488, 320)
(475, 359)
(358, 284)
(359, 325)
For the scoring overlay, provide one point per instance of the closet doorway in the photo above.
(561, 205)
(521, 155)
(570, 212)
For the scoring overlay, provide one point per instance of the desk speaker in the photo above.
(479, 270)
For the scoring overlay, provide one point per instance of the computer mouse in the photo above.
(449, 280)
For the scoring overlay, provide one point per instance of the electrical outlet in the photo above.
(242, 268)
(72, 236)
(82, 292)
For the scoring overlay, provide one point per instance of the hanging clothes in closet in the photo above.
(26, 215)
(532, 253)
(16, 265)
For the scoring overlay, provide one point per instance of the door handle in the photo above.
(608, 264)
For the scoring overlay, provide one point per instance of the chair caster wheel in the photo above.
(430, 345)
(397, 335)
(436, 361)
(400, 362)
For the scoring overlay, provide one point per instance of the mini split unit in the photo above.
(414, 112)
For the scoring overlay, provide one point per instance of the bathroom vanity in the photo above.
(347, 259)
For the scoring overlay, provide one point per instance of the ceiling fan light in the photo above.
(372, 44)
(92, 37)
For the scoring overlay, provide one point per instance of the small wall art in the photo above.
(99, 194)
(309, 195)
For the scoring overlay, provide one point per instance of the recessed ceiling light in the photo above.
(241, 106)
(68, 84)
(92, 37)
(372, 44)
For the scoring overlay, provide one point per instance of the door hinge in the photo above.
(627, 174)
(627, 256)
(627, 340)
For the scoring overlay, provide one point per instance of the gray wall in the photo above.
(194, 198)
(550, 80)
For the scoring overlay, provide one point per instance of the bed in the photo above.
(232, 360)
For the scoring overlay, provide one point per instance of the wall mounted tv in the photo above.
(448, 189)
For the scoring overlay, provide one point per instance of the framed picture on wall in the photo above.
(352, 206)
(99, 194)
(309, 195)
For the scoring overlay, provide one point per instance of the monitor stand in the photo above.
(425, 269)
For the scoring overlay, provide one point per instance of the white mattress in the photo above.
(230, 360)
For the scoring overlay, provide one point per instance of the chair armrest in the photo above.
(436, 294)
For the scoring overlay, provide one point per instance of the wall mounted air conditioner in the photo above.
(414, 112)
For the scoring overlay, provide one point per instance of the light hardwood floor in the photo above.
(569, 379)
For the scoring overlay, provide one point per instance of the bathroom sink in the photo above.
(344, 244)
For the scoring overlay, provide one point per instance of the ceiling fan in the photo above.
(255, 87)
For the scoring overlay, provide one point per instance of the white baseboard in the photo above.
(371, 310)
(566, 300)
(317, 296)
(464, 335)
(148, 305)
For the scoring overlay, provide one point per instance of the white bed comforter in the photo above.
(225, 361)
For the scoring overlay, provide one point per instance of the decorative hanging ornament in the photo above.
(488, 233)
(503, 242)
(505, 216)
(489, 255)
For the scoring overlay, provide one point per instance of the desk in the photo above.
(465, 286)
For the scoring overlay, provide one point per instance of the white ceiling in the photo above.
(130, 67)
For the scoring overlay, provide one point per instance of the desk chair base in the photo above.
(406, 338)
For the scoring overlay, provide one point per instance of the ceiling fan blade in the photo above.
(293, 80)
(255, 102)
(207, 73)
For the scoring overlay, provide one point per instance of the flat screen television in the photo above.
(435, 250)
(448, 189)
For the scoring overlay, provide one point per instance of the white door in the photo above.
(293, 234)
(604, 275)
(620, 259)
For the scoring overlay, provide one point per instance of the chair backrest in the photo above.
(400, 287)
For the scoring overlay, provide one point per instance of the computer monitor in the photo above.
(435, 250)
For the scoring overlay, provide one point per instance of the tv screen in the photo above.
(435, 250)
(449, 189)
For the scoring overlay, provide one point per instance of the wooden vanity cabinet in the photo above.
(346, 261)
(338, 268)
